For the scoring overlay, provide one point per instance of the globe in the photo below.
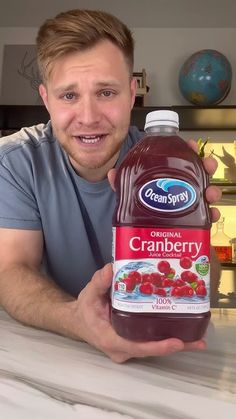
(205, 78)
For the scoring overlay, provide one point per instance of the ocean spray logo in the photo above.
(167, 195)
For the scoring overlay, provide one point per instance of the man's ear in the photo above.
(133, 88)
(43, 94)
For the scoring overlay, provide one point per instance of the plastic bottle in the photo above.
(222, 243)
(161, 238)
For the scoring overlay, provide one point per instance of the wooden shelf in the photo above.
(225, 303)
(227, 188)
(141, 91)
(228, 265)
(193, 118)
(15, 116)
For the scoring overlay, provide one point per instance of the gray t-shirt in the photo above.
(37, 193)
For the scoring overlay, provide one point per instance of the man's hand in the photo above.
(92, 315)
(213, 193)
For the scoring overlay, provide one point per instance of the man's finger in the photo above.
(111, 177)
(215, 214)
(124, 349)
(193, 145)
(210, 165)
(213, 194)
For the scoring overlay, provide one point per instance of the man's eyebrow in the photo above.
(75, 86)
(107, 83)
(66, 88)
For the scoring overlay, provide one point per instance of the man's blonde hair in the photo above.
(78, 30)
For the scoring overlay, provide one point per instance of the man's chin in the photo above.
(80, 165)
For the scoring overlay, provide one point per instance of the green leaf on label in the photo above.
(202, 268)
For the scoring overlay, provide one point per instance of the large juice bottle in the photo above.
(161, 238)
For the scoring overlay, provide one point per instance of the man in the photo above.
(55, 195)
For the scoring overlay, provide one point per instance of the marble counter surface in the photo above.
(46, 376)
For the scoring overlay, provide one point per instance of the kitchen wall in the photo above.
(163, 51)
(14, 36)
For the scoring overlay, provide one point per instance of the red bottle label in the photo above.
(161, 270)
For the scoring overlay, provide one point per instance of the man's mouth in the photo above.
(90, 139)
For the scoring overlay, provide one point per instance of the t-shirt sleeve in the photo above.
(18, 206)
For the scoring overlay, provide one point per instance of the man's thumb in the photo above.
(101, 280)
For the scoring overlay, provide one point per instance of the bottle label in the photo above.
(158, 270)
(167, 195)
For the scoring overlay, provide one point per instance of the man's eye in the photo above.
(69, 96)
(107, 93)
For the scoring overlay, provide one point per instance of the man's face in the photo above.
(89, 96)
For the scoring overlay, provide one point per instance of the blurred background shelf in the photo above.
(228, 265)
(226, 187)
(193, 118)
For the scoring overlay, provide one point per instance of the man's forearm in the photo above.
(35, 300)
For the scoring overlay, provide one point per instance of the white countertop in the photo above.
(46, 376)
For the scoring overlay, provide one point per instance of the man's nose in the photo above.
(88, 111)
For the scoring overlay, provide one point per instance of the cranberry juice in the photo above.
(161, 243)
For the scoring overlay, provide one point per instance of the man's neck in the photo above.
(95, 174)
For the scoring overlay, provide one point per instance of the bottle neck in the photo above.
(162, 129)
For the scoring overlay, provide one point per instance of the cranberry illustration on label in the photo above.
(146, 278)
(156, 279)
(171, 273)
(187, 291)
(201, 282)
(176, 292)
(201, 291)
(163, 283)
(188, 276)
(185, 262)
(179, 283)
(164, 267)
(167, 282)
(146, 288)
(135, 276)
(160, 291)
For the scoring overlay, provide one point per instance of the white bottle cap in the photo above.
(164, 118)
